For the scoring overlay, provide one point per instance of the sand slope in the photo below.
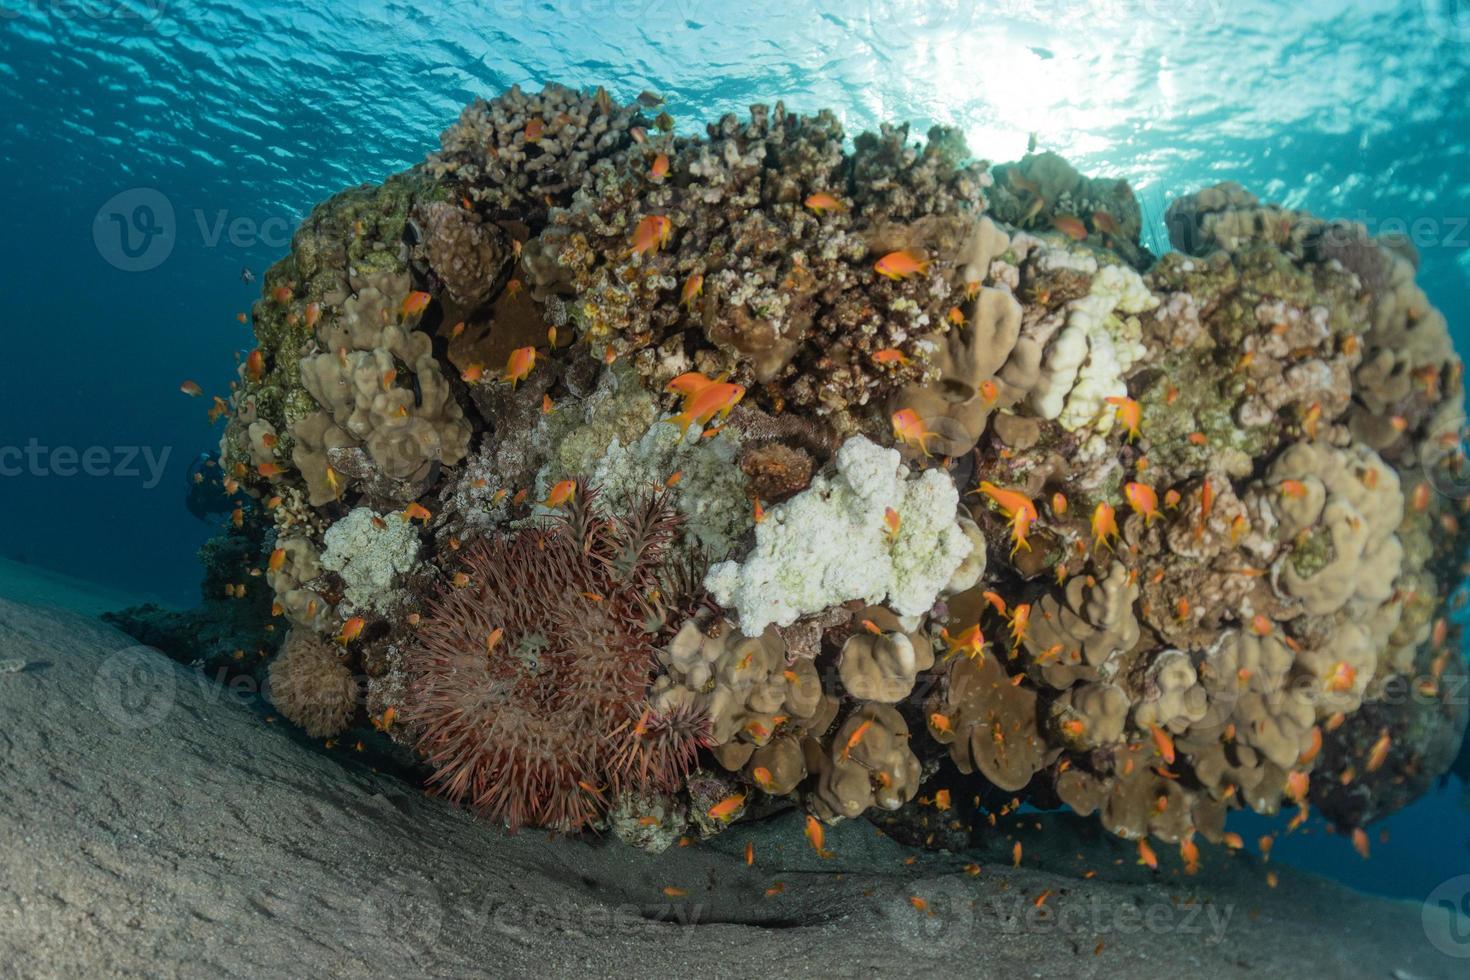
(150, 825)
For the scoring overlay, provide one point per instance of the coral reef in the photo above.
(654, 480)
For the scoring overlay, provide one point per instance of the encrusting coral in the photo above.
(651, 479)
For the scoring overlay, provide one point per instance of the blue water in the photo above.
(241, 117)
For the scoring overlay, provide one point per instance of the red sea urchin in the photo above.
(543, 722)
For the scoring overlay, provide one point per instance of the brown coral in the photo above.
(758, 707)
(867, 763)
(311, 685)
(988, 723)
(470, 257)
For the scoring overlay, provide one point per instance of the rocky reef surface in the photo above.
(647, 483)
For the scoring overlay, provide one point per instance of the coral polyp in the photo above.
(528, 677)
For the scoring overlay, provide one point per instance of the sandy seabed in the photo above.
(154, 824)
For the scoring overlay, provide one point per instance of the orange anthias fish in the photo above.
(1360, 842)
(1017, 507)
(255, 365)
(414, 304)
(1104, 523)
(693, 289)
(1313, 748)
(1105, 223)
(910, 430)
(715, 398)
(1070, 226)
(890, 355)
(970, 642)
(1163, 744)
(689, 384)
(891, 522)
(726, 808)
(518, 366)
(534, 130)
(416, 512)
(1189, 853)
(313, 314)
(1129, 412)
(1143, 500)
(351, 630)
(191, 389)
(277, 560)
(472, 374)
(1295, 489)
(855, 738)
(902, 264)
(493, 640)
(1297, 784)
(652, 234)
(1378, 755)
(270, 470)
(1146, 856)
(660, 168)
(815, 833)
(1020, 620)
(561, 494)
(822, 202)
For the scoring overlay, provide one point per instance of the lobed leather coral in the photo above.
(954, 484)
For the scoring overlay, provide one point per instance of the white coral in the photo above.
(829, 544)
(710, 491)
(370, 557)
(1085, 364)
